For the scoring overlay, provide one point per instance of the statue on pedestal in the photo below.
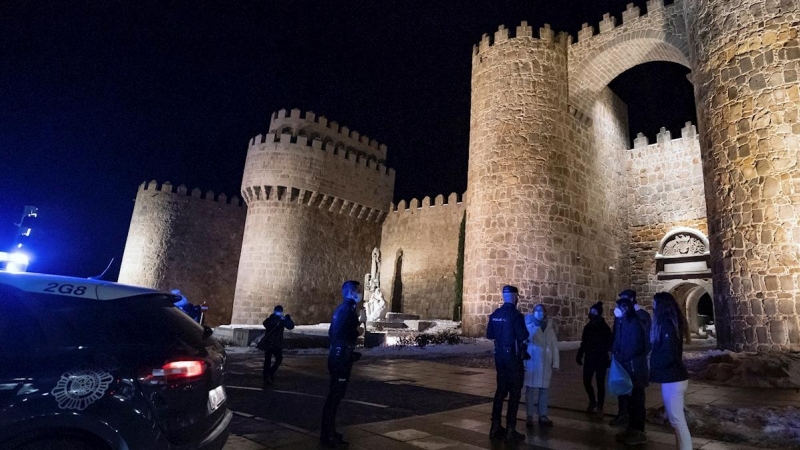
(375, 304)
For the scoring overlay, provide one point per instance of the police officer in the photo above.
(507, 328)
(343, 332)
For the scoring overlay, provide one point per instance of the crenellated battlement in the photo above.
(334, 150)
(182, 190)
(439, 201)
(689, 131)
(630, 16)
(523, 31)
(307, 124)
(312, 199)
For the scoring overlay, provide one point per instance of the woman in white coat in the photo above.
(543, 349)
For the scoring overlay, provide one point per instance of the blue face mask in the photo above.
(279, 313)
(539, 315)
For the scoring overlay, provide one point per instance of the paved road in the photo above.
(375, 394)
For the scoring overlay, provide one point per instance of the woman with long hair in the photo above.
(667, 335)
(630, 351)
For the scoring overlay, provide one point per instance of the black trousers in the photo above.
(622, 405)
(597, 370)
(269, 367)
(510, 377)
(636, 410)
(340, 365)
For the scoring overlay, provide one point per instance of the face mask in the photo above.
(592, 315)
(539, 315)
(279, 313)
(617, 313)
(356, 297)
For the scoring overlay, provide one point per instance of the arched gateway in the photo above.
(555, 194)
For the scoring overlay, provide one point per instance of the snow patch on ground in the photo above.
(765, 370)
(768, 427)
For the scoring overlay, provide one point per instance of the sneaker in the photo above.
(339, 438)
(619, 421)
(599, 413)
(592, 408)
(529, 422)
(622, 436)
(635, 437)
(545, 422)
(513, 435)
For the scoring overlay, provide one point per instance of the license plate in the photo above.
(216, 397)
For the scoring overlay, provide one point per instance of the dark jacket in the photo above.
(596, 342)
(343, 331)
(666, 360)
(630, 349)
(273, 329)
(507, 327)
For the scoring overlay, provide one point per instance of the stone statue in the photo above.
(375, 271)
(376, 306)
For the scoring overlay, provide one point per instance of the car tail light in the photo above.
(174, 371)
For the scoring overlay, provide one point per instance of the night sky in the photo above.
(98, 96)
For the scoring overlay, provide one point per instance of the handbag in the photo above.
(619, 382)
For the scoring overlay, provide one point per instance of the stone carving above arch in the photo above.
(683, 253)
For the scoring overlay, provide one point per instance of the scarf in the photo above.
(541, 324)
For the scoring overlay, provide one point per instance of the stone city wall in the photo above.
(297, 162)
(665, 191)
(297, 252)
(746, 60)
(185, 240)
(547, 204)
(306, 123)
(422, 281)
(315, 208)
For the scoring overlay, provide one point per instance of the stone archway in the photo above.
(595, 60)
(688, 294)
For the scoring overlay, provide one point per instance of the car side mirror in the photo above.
(207, 332)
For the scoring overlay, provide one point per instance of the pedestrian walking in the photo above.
(596, 341)
(272, 342)
(506, 327)
(666, 363)
(343, 333)
(543, 351)
(621, 420)
(630, 350)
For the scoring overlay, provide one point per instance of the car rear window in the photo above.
(32, 320)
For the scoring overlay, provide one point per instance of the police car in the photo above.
(95, 365)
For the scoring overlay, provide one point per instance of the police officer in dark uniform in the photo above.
(507, 328)
(343, 332)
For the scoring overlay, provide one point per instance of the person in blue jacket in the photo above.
(506, 326)
(343, 333)
(630, 349)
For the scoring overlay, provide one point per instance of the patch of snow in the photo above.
(766, 370)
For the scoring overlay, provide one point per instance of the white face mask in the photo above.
(539, 315)
(617, 313)
(279, 313)
(356, 297)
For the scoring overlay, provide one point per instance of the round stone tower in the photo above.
(316, 194)
(746, 60)
(519, 100)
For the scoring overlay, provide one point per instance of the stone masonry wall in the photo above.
(315, 214)
(745, 63)
(180, 240)
(665, 185)
(546, 195)
(427, 236)
(298, 255)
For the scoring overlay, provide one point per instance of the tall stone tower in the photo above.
(316, 195)
(519, 99)
(746, 60)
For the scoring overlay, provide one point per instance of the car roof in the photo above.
(71, 286)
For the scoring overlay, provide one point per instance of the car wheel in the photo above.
(62, 443)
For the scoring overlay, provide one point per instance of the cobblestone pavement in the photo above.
(412, 404)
